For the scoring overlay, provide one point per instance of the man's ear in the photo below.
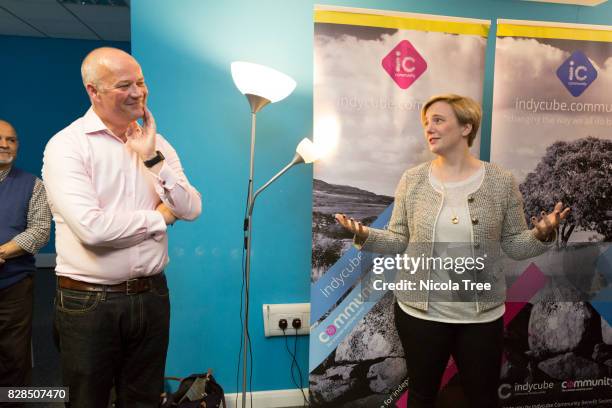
(467, 128)
(92, 91)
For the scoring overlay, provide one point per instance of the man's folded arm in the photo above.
(38, 229)
(173, 187)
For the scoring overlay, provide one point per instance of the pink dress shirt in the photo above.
(103, 201)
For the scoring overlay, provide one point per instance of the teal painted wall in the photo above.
(185, 48)
(42, 92)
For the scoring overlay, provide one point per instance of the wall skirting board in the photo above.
(269, 399)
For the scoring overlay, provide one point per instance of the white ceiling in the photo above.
(56, 19)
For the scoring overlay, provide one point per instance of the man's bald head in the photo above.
(6, 129)
(100, 62)
(116, 87)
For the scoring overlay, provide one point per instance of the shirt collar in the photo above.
(4, 173)
(92, 122)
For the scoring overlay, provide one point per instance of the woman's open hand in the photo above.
(548, 223)
(353, 226)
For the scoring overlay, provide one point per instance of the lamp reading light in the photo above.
(308, 151)
(305, 152)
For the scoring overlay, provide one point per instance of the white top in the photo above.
(453, 240)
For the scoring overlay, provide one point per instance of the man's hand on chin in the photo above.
(141, 139)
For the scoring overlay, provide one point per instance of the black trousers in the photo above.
(16, 304)
(476, 348)
(113, 339)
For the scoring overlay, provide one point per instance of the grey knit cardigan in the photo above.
(498, 221)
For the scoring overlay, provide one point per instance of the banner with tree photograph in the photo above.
(373, 70)
(552, 128)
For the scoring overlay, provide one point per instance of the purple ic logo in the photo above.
(330, 330)
(577, 73)
(404, 64)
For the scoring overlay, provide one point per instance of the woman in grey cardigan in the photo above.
(455, 198)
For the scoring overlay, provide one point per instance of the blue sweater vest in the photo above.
(15, 193)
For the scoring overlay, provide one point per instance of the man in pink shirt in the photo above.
(113, 187)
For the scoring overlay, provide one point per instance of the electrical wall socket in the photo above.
(273, 313)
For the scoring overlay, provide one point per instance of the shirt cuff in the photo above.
(156, 226)
(360, 243)
(166, 177)
(544, 244)
(25, 242)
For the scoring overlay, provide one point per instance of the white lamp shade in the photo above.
(308, 151)
(262, 81)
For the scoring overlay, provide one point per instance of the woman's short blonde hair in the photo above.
(466, 109)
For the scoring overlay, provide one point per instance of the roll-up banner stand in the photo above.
(373, 70)
(552, 128)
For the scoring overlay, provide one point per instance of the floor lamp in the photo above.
(261, 85)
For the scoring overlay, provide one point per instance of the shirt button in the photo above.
(474, 220)
(470, 198)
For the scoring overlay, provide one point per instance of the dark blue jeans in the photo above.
(16, 304)
(113, 339)
(476, 348)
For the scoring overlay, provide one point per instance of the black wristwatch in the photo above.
(152, 162)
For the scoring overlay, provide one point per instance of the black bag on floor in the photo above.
(195, 391)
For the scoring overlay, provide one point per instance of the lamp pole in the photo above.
(257, 103)
(297, 159)
(255, 80)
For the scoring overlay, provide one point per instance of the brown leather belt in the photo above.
(129, 287)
